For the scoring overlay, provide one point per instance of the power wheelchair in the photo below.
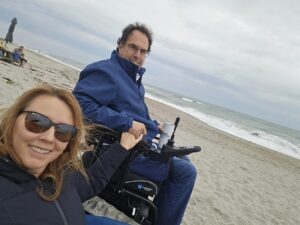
(129, 192)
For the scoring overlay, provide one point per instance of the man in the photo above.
(111, 92)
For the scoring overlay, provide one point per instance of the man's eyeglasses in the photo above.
(135, 48)
(38, 123)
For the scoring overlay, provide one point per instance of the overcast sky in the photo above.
(243, 55)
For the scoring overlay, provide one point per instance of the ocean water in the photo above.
(65, 61)
(270, 135)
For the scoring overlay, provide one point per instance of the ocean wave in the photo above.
(256, 136)
(187, 99)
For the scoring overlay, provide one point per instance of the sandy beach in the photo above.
(238, 183)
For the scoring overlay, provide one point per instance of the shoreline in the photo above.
(238, 182)
(292, 150)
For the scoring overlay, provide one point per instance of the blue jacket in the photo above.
(16, 56)
(110, 95)
(20, 204)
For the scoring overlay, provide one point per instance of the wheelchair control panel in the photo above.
(169, 150)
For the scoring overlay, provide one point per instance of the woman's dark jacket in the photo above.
(20, 203)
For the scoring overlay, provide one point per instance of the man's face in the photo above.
(135, 49)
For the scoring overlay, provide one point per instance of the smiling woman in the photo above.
(41, 176)
(42, 142)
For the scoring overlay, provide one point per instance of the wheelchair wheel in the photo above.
(141, 212)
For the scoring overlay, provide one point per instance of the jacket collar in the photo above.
(130, 68)
(10, 170)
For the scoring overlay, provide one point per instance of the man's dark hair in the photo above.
(135, 26)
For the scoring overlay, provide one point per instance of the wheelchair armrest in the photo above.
(169, 151)
(101, 134)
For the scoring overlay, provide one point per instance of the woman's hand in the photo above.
(128, 140)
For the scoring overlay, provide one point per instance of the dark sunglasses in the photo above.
(38, 123)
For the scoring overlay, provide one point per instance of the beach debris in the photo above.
(255, 133)
(8, 81)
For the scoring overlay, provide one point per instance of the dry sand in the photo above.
(238, 182)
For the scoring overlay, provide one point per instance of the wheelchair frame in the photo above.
(128, 192)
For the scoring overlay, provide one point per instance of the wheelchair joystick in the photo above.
(171, 140)
(169, 150)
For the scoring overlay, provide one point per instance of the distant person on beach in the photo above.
(42, 179)
(1, 46)
(18, 56)
(111, 92)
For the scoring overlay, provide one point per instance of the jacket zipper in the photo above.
(61, 213)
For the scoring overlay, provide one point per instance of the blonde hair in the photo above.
(69, 160)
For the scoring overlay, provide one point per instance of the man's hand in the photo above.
(137, 129)
(160, 128)
(128, 140)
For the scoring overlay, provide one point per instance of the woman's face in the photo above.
(37, 150)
